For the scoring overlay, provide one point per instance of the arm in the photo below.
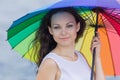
(98, 66)
(47, 70)
(99, 71)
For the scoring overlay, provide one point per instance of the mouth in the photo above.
(65, 38)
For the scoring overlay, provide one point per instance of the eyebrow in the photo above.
(70, 22)
(55, 25)
(67, 23)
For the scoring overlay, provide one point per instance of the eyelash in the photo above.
(57, 27)
(69, 26)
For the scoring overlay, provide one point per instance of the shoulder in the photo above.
(47, 70)
(50, 60)
(48, 63)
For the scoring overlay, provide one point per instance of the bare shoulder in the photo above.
(47, 70)
(50, 63)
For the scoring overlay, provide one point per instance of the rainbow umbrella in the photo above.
(106, 13)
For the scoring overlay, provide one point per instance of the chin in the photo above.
(66, 43)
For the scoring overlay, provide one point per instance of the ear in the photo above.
(78, 26)
(50, 30)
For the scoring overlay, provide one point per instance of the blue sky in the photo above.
(12, 66)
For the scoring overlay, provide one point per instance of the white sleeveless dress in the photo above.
(71, 70)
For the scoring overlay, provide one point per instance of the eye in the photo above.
(56, 27)
(70, 25)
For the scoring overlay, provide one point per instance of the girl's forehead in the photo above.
(62, 16)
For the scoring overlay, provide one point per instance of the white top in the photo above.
(71, 70)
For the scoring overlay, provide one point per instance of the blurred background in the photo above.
(12, 65)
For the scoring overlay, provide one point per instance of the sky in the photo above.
(12, 65)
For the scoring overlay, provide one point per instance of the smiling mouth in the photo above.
(66, 38)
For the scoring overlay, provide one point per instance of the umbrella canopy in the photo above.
(22, 31)
(109, 29)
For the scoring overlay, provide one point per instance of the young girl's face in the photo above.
(64, 28)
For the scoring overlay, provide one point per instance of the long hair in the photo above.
(45, 39)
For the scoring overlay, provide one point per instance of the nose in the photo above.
(63, 31)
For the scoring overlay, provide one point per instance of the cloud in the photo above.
(12, 10)
(12, 65)
(17, 71)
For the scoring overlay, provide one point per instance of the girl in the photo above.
(58, 59)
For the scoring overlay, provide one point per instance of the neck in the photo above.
(65, 50)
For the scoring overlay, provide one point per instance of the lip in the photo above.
(65, 38)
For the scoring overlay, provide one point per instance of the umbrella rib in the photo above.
(117, 20)
(107, 29)
(111, 24)
(92, 15)
(115, 16)
(111, 11)
(108, 14)
(86, 15)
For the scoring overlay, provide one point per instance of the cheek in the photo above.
(74, 33)
(73, 36)
(55, 37)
